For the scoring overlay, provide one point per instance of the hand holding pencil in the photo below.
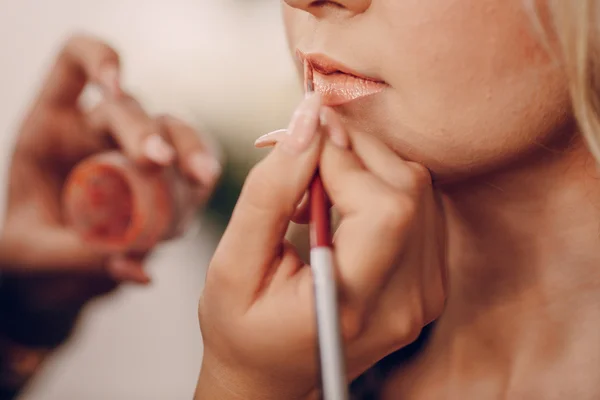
(257, 312)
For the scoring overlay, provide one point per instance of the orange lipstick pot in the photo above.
(118, 206)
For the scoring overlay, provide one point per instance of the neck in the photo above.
(529, 233)
(523, 254)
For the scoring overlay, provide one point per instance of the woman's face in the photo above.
(468, 85)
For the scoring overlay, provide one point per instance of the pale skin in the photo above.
(475, 99)
(506, 262)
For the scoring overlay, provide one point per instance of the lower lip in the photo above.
(339, 88)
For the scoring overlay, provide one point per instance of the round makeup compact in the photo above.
(119, 206)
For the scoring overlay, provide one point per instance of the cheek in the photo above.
(459, 47)
(472, 82)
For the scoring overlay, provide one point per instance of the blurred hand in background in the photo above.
(48, 270)
(238, 83)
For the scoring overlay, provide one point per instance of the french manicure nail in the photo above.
(205, 168)
(157, 150)
(304, 125)
(270, 139)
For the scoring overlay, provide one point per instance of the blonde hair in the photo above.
(573, 26)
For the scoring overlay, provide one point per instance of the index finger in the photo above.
(254, 237)
(83, 59)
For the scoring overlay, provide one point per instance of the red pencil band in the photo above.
(320, 219)
(320, 222)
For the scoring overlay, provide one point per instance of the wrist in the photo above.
(211, 387)
(217, 382)
(28, 334)
(29, 325)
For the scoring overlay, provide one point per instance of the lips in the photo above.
(339, 84)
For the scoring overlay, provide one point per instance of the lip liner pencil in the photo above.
(331, 351)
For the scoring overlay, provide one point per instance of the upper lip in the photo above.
(327, 66)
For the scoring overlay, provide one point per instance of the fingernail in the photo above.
(304, 125)
(270, 139)
(109, 78)
(157, 150)
(335, 129)
(123, 270)
(205, 168)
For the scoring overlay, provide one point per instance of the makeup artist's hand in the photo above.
(256, 312)
(47, 262)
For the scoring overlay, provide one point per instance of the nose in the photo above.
(318, 7)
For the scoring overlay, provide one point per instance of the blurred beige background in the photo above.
(221, 62)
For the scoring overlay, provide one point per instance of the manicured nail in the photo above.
(205, 168)
(304, 126)
(157, 150)
(123, 270)
(270, 139)
(335, 129)
(109, 79)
